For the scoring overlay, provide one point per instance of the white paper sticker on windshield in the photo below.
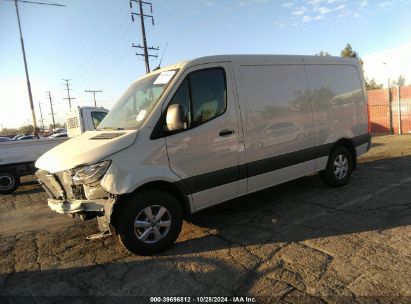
(164, 77)
(141, 115)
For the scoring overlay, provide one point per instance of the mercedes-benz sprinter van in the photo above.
(195, 134)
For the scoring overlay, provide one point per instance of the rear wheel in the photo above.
(149, 222)
(8, 182)
(339, 167)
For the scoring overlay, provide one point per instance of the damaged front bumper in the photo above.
(65, 197)
(76, 206)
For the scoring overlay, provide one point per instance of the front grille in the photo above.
(65, 180)
(59, 185)
(50, 183)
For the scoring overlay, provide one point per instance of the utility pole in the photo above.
(145, 48)
(94, 94)
(33, 114)
(52, 112)
(68, 92)
(399, 110)
(41, 116)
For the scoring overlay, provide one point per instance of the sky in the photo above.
(90, 42)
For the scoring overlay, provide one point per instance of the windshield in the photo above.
(137, 102)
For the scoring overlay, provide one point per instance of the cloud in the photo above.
(313, 2)
(298, 12)
(323, 10)
(210, 3)
(306, 19)
(288, 4)
(363, 2)
(251, 2)
(303, 11)
(384, 4)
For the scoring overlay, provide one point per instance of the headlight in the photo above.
(91, 174)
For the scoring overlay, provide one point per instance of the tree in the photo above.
(58, 125)
(8, 131)
(323, 53)
(349, 52)
(28, 129)
(372, 84)
(400, 81)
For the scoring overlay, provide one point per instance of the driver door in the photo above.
(206, 154)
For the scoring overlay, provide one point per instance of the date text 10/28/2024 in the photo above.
(233, 299)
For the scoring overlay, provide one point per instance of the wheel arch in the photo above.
(176, 189)
(347, 143)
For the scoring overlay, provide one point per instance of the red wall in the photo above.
(379, 110)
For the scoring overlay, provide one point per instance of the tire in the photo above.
(8, 182)
(339, 167)
(143, 235)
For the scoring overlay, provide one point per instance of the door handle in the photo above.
(226, 132)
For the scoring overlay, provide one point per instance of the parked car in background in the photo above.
(59, 130)
(27, 137)
(17, 136)
(58, 135)
(4, 139)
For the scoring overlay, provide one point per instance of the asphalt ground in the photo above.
(297, 242)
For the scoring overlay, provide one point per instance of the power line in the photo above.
(102, 46)
(94, 94)
(142, 15)
(68, 92)
(35, 2)
(91, 73)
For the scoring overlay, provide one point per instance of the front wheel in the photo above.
(8, 182)
(339, 167)
(149, 222)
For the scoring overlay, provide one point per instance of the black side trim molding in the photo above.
(212, 179)
(228, 175)
(281, 161)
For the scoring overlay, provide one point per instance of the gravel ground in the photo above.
(297, 242)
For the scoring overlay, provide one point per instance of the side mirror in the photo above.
(175, 118)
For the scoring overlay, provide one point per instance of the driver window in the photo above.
(202, 95)
(208, 94)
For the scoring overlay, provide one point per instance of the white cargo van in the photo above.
(195, 134)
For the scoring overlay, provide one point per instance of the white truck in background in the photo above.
(17, 157)
(82, 119)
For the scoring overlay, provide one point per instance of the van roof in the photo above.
(259, 59)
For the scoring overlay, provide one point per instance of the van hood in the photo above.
(88, 148)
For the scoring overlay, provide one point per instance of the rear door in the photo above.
(205, 155)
